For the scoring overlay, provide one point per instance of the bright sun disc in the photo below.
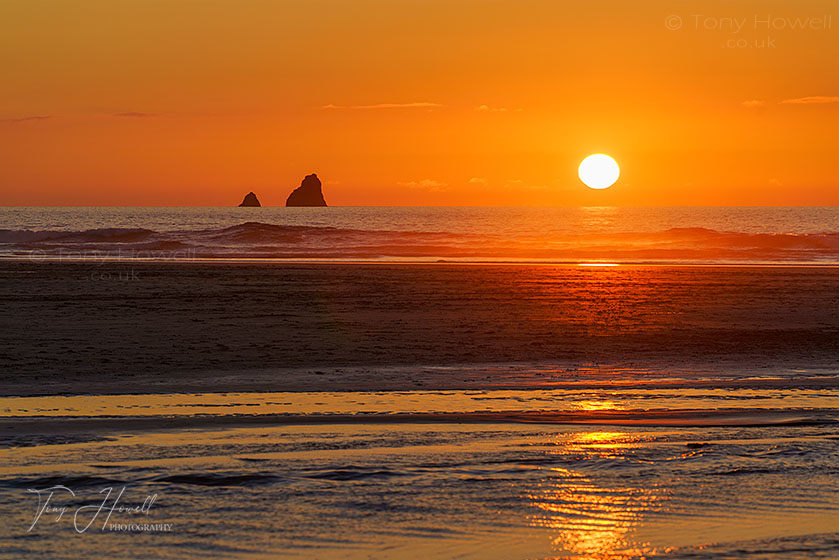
(599, 171)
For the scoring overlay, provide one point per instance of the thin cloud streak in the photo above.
(135, 114)
(425, 184)
(487, 108)
(753, 103)
(419, 105)
(36, 118)
(13, 120)
(812, 100)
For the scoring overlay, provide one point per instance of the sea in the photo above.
(803, 235)
(579, 460)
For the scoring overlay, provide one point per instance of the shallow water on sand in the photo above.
(823, 401)
(590, 472)
(433, 490)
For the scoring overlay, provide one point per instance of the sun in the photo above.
(599, 171)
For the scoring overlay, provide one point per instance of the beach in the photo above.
(490, 490)
(418, 280)
(104, 327)
(423, 409)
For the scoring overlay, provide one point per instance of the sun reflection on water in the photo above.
(599, 405)
(592, 520)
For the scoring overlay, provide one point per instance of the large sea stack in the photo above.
(309, 193)
(250, 200)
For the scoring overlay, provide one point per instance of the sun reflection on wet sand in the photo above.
(591, 520)
(599, 405)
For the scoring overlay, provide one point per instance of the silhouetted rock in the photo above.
(250, 200)
(309, 193)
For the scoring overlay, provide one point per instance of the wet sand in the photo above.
(674, 411)
(18, 432)
(418, 490)
(167, 327)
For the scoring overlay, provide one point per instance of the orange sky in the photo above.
(418, 102)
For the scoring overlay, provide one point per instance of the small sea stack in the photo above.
(250, 200)
(309, 193)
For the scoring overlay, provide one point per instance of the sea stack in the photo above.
(250, 200)
(309, 193)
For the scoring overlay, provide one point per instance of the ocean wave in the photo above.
(107, 235)
(218, 479)
(352, 472)
(278, 241)
(803, 547)
(40, 483)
